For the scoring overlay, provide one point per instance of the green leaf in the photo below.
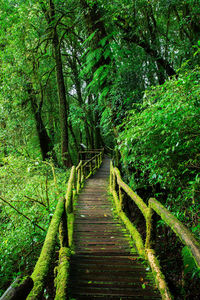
(90, 37)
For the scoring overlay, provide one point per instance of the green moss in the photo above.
(69, 193)
(42, 267)
(70, 226)
(134, 233)
(180, 230)
(148, 228)
(131, 228)
(63, 274)
(43, 264)
(138, 201)
(19, 281)
(158, 275)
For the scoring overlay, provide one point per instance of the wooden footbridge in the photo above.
(104, 264)
(102, 255)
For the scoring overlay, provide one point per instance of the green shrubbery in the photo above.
(161, 141)
(33, 188)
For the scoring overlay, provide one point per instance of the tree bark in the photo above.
(46, 144)
(63, 106)
(94, 23)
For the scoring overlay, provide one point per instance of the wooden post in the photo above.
(90, 165)
(148, 227)
(78, 181)
(96, 162)
(111, 174)
(82, 174)
(63, 230)
(114, 183)
(120, 197)
(74, 183)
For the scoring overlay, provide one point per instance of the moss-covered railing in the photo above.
(86, 155)
(117, 185)
(62, 223)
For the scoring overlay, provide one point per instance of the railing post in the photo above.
(111, 175)
(148, 227)
(120, 197)
(78, 182)
(73, 190)
(63, 230)
(90, 166)
(82, 174)
(74, 181)
(114, 183)
(96, 162)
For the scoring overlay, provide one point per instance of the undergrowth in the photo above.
(29, 193)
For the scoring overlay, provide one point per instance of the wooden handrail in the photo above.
(85, 154)
(91, 151)
(77, 177)
(181, 231)
(43, 264)
(138, 201)
(63, 213)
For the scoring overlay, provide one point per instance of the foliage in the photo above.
(112, 55)
(29, 185)
(189, 263)
(161, 143)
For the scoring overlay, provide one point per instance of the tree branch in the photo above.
(34, 200)
(20, 213)
(131, 37)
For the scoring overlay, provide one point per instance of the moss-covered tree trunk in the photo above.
(94, 23)
(63, 106)
(46, 144)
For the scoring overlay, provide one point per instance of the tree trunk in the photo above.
(63, 107)
(46, 144)
(73, 136)
(94, 23)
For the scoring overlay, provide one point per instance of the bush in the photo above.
(161, 144)
(31, 188)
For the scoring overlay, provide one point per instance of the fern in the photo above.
(190, 266)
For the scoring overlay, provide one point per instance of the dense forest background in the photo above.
(123, 75)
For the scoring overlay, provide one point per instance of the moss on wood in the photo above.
(63, 274)
(148, 228)
(134, 234)
(114, 172)
(43, 264)
(70, 226)
(158, 276)
(69, 193)
(131, 228)
(180, 230)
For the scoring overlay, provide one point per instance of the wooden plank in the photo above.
(116, 292)
(102, 267)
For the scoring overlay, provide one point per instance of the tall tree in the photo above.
(63, 105)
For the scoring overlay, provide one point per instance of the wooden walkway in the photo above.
(104, 265)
